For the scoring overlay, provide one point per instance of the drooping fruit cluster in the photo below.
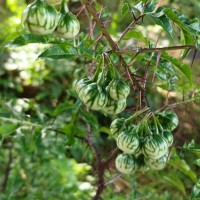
(145, 142)
(41, 18)
(106, 90)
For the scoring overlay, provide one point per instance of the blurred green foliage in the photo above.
(39, 141)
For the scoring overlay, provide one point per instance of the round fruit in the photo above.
(141, 164)
(68, 24)
(93, 96)
(128, 142)
(39, 18)
(117, 126)
(168, 120)
(168, 137)
(157, 164)
(80, 85)
(154, 146)
(115, 107)
(118, 89)
(125, 163)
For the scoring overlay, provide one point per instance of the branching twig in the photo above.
(100, 169)
(80, 11)
(131, 25)
(90, 141)
(6, 172)
(142, 50)
(176, 104)
(113, 179)
(93, 11)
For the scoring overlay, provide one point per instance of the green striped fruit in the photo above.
(168, 120)
(114, 107)
(68, 26)
(118, 89)
(74, 84)
(141, 164)
(93, 96)
(154, 146)
(40, 18)
(128, 142)
(117, 126)
(168, 137)
(126, 164)
(81, 84)
(157, 164)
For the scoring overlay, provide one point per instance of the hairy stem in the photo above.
(142, 50)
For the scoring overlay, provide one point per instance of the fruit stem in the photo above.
(64, 8)
(112, 67)
(134, 116)
(96, 74)
(157, 124)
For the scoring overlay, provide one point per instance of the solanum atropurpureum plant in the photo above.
(117, 82)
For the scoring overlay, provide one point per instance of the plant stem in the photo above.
(93, 11)
(113, 179)
(175, 104)
(6, 172)
(131, 25)
(100, 169)
(142, 50)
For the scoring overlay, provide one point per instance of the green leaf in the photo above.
(9, 39)
(161, 20)
(193, 25)
(197, 162)
(125, 9)
(149, 7)
(198, 44)
(195, 195)
(25, 39)
(60, 51)
(192, 147)
(187, 33)
(86, 52)
(34, 139)
(185, 69)
(7, 129)
(165, 70)
(68, 130)
(181, 165)
(63, 107)
(138, 8)
(90, 118)
(136, 35)
(175, 182)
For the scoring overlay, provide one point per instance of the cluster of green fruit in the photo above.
(144, 143)
(41, 18)
(106, 90)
